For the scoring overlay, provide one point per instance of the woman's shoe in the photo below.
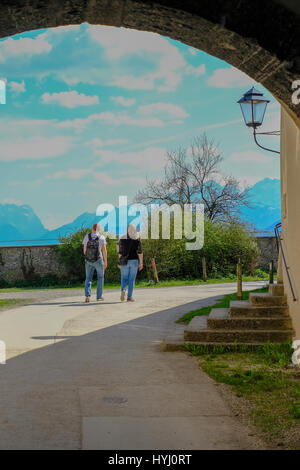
(123, 295)
(87, 299)
(130, 299)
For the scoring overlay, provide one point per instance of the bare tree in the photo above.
(194, 176)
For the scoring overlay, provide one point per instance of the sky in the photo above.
(91, 111)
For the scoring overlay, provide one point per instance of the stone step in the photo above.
(220, 318)
(173, 342)
(198, 323)
(276, 289)
(170, 344)
(264, 299)
(242, 308)
(240, 336)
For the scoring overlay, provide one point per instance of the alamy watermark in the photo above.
(296, 353)
(2, 352)
(296, 94)
(2, 91)
(187, 219)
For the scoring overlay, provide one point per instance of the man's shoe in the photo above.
(87, 299)
(101, 298)
(123, 295)
(130, 299)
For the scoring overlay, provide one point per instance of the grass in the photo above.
(4, 303)
(270, 387)
(140, 284)
(222, 303)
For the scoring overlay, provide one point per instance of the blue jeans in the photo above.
(89, 272)
(128, 275)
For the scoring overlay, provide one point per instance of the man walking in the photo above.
(94, 249)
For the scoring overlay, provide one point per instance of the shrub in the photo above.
(223, 246)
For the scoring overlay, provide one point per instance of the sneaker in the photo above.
(101, 298)
(123, 295)
(87, 299)
(130, 299)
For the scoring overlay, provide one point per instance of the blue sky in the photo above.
(91, 111)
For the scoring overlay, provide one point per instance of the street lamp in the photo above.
(253, 105)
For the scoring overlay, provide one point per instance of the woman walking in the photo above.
(130, 261)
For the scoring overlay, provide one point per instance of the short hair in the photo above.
(95, 226)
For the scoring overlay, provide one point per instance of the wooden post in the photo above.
(252, 267)
(204, 273)
(239, 280)
(271, 270)
(155, 275)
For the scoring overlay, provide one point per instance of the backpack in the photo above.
(92, 249)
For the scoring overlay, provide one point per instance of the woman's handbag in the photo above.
(123, 260)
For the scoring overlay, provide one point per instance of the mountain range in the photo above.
(19, 225)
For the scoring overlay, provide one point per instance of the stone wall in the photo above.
(26, 262)
(268, 252)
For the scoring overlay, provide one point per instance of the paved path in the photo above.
(82, 376)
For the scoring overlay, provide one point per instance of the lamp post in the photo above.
(253, 105)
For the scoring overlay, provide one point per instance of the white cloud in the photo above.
(151, 158)
(96, 143)
(111, 118)
(123, 101)
(271, 123)
(34, 148)
(196, 71)
(122, 41)
(221, 124)
(118, 42)
(64, 29)
(251, 156)
(129, 82)
(29, 46)
(38, 165)
(17, 87)
(69, 99)
(170, 109)
(12, 201)
(72, 174)
(27, 123)
(192, 51)
(229, 78)
(106, 180)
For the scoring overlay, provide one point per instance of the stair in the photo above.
(264, 318)
(267, 300)
(242, 308)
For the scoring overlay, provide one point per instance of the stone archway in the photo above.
(259, 38)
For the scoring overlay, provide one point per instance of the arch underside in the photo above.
(259, 38)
